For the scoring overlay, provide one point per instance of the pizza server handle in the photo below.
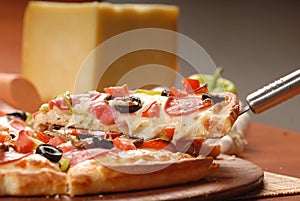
(273, 93)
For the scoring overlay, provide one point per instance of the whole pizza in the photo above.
(114, 141)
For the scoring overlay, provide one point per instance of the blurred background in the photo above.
(255, 41)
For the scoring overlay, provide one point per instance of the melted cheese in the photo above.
(141, 156)
(33, 162)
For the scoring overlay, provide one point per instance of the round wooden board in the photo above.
(235, 177)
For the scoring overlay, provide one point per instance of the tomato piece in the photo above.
(152, 111)
(185, 105)
(42, 137)
(112, 135)
(167, 133)
(190, 84)
(201, 90)
(158, 144)
(123, 144)
(2, 113)
(57, 140)
(103, 112)
(4, 136)
(24, 144)
(118, 91)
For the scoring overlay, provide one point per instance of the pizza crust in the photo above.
(30, 176)
(91, 177)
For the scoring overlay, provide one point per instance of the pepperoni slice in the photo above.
(7, 157)
(118, 91)
(79, 156)
(103, 112)
(179, 106)
(61, 103)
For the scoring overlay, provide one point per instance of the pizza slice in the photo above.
(34, 163)
(183, 117)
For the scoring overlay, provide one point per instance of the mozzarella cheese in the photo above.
(210, 122)
(59, 37)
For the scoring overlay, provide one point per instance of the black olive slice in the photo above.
(213, 97)
(109, 97)
(128, 104)
(18, 115)
(102, 143)
(83, 136)
(165, 93)
(50, 152)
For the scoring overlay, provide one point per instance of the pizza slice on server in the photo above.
(180, 118)
(114, 141)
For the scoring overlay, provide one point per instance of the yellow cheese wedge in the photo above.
(59, 37)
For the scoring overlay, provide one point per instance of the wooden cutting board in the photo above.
(235, 177)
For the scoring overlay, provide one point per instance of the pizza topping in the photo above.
(177, 92)
(146, 91)
(5, 137)
(123, 144)
(6, 157)
(64, 164)
(17, 124)
(78, 156)
(66, 101)
(18, 115)
(158, 144)
(178, 106)
(4, 147)
(24, 144)
(102, 143)
(42, 136)
(152, 111)
(26, 117)
(118, 91)
(165, 93)
(190, 84)
(167, 133)
(214, 98)
(103, 112)
(127, 104)
(200, 90)
(50, 152)
(57, 140)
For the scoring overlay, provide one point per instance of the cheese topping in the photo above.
(33, 162)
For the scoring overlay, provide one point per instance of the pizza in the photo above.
(182, 117)
(114, 141)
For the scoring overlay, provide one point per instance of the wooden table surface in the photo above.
(275, 150)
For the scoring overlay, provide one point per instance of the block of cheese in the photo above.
(59, 37)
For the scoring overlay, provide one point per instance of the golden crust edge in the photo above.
(107, 180)
(18, 182)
